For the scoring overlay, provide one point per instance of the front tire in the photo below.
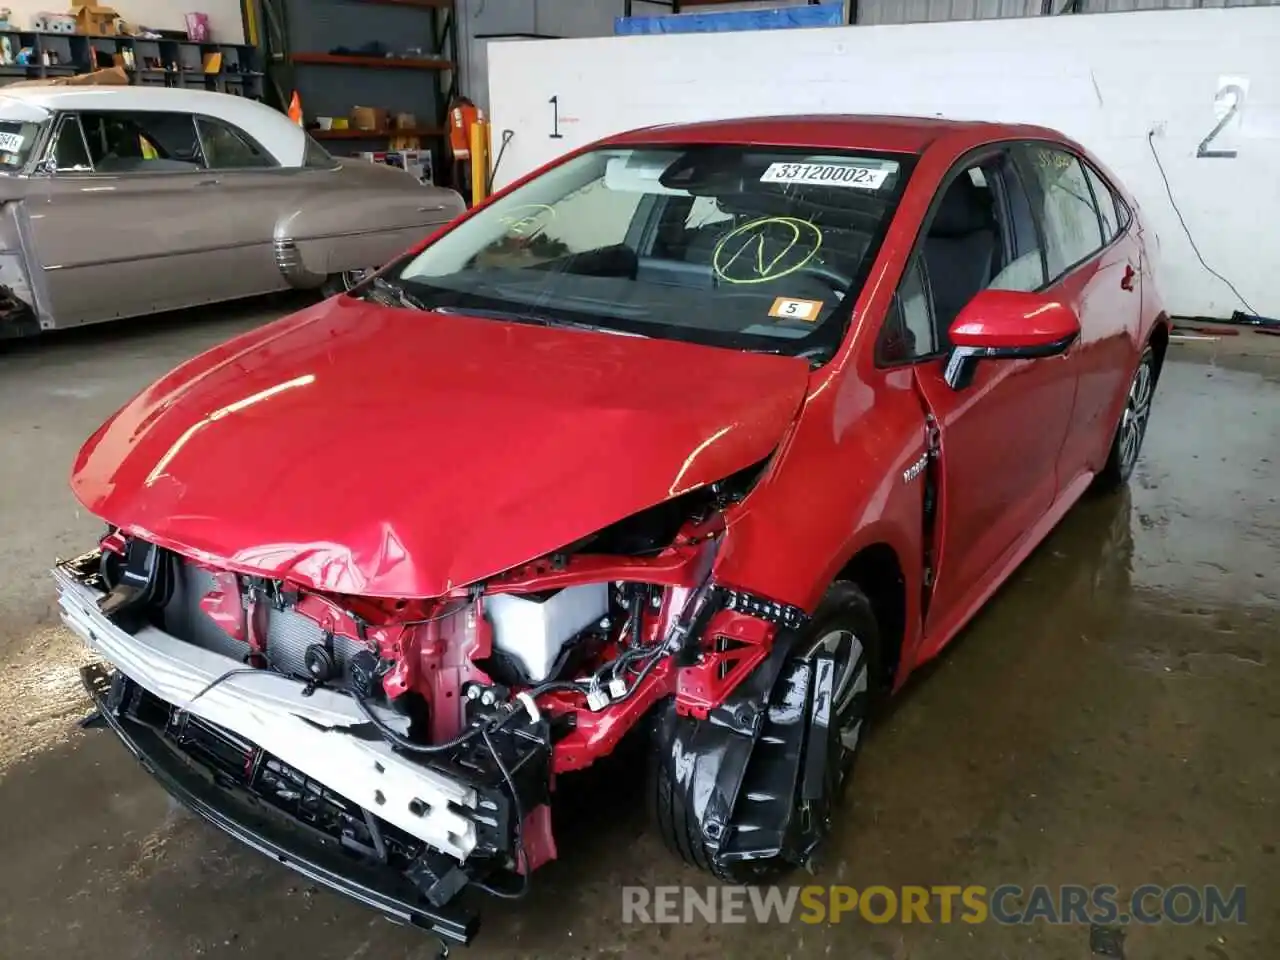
(1132, 428)
(845, 626)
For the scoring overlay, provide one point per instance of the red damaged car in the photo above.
(713, 432)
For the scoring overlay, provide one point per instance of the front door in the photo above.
(130, 223)
(1000, 435)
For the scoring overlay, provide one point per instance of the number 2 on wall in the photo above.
(555, 119)
(1237, 101)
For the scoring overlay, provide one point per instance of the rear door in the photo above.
(1093, 267)
(129, 225)
(255, 193)
(999, 437)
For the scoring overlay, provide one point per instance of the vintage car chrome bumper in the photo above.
(312, 733)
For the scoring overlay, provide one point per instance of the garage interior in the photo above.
(1110, 718)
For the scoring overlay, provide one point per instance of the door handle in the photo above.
(1129, 274)
(208, 183)
(430, 209)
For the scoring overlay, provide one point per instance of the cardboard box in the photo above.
(417, 163)
(95, 20)
(111, 77)
(370, 118)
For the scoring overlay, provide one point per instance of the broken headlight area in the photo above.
(421, 737)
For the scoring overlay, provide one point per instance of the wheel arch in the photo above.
(878, 572)
(1159, 341)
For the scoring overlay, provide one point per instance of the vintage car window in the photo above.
(317, 157)
(229, 148)
(17, 139)
(142, 142)
(70, 153)
(731, 245)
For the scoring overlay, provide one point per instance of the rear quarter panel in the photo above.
(364, 218)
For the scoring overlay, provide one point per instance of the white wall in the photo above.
(1105, 79)
(224, 15)
(550, 18)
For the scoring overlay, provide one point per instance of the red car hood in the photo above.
(383, 452)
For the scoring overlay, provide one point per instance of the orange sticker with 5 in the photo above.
(787, 309)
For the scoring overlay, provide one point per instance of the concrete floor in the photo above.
(1111, 718)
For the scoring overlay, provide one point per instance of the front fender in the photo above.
(758, 748)
(836, 487)
(23, 302)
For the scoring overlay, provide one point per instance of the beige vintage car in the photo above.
(122, 201)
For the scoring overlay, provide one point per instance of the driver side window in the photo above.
(981, 235)
(909, 331)
(70, 153)
(141, 142)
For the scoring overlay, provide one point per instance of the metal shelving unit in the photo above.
(179, 62)
(338, 55)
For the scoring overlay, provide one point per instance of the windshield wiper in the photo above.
(393, 295)
(537, 319)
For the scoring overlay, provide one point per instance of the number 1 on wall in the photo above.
(555, 119)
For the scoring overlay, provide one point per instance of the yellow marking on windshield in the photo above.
(749, 240)
(519, 224)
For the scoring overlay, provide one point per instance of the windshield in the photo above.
(738, 246)
(17, 139)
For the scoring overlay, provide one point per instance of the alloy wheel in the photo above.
(850, 700)
(1137, 411)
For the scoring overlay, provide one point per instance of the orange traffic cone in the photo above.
(295, 109)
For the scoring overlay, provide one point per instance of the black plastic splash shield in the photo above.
(383, 890)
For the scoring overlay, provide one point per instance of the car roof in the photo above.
(895, 134)
(269, 127)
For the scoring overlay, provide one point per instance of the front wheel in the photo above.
(843, 628)
(1132, 428)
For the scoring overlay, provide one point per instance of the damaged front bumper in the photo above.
(310, 731)
(297, 771)
(237, 811)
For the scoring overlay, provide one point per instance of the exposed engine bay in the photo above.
(424, 735)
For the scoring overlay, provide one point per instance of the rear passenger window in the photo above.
(317, 157)
(230, 148)
(1072, 228)
(1107, 208)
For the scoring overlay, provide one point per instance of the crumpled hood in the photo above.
(365, 450)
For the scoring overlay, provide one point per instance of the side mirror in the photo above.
(1008, 325)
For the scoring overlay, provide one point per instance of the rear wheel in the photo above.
(1132, 428)
(844, 628)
